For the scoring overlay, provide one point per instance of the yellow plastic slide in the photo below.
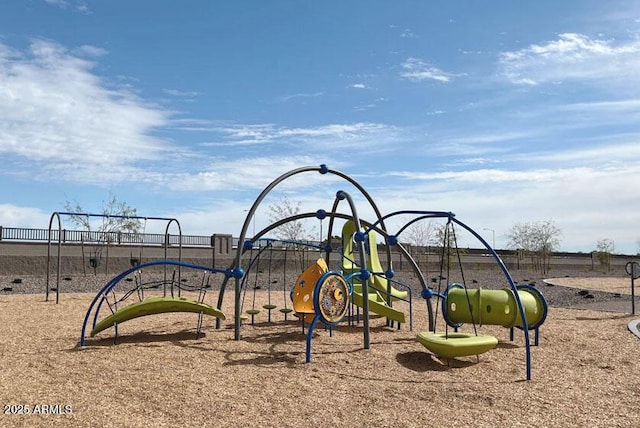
(373, 260)
(377, 301)
(377, 304)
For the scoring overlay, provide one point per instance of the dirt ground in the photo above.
(584, 371)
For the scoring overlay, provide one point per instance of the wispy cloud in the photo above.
(604, 155)
(576, 198)
(408, 34)
(491, 138)
(617, 106)
(416, 70)
(365, 107)
(483, 176)
(317, 138)
(181, 94)
(22, 216)
(59, 3)
(405, 33)
(91, 51)
(54, 110)
(358, 86)
(256, 173)
(78, 5)
(573, 57)
(300, 95)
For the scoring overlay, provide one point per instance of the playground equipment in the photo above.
(257, 250)
(523, 307)
(285, 310)
(330, 301)
(302, 293)
(320, 295)
(155, 305)
(381, 293)
(253, 311)
(360, 237)
(364, 281)
(57, 215)
(452, 345)
(493, 307)
(150, 305)
(483, 307)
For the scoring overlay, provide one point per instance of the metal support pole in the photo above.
(364, 271)
(633, 269)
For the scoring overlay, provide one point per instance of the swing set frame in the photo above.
(58, 214)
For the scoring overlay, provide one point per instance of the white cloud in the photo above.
(15, 216)
(408, 34)
(179, 93)
(573, 57)
(346, 131)
(587, 203)
(54, 111)
(300, 95)
(364, 107)
(485, 176)
(92, 51)
(359, 86)
(79, 5)
(625, 106)
(316, 139)
(490, 138)
(59, 3)
(603, 155)
(416, 70)
(242, 174)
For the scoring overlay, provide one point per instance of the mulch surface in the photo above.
(160, 373)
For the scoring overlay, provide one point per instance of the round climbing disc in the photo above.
(331, 297)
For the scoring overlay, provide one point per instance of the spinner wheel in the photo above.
(331, 297)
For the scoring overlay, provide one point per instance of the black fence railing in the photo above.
(69, 236)
(89, 237)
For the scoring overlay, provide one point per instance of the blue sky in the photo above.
(502, 112)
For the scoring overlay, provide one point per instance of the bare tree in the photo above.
(447, 239)
(538, 240)
(421, 235)
(117, 217)
(604, 251)
(293, 230)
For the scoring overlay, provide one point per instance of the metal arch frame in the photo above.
(365, 274)
(496, 257)
(101, 295)
(333, 215)
(258, 237)
(57, 214)
(322, 169)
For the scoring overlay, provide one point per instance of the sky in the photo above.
(501, 112)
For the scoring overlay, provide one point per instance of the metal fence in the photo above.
(68, 236)
(87, 237)
(22, 234)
